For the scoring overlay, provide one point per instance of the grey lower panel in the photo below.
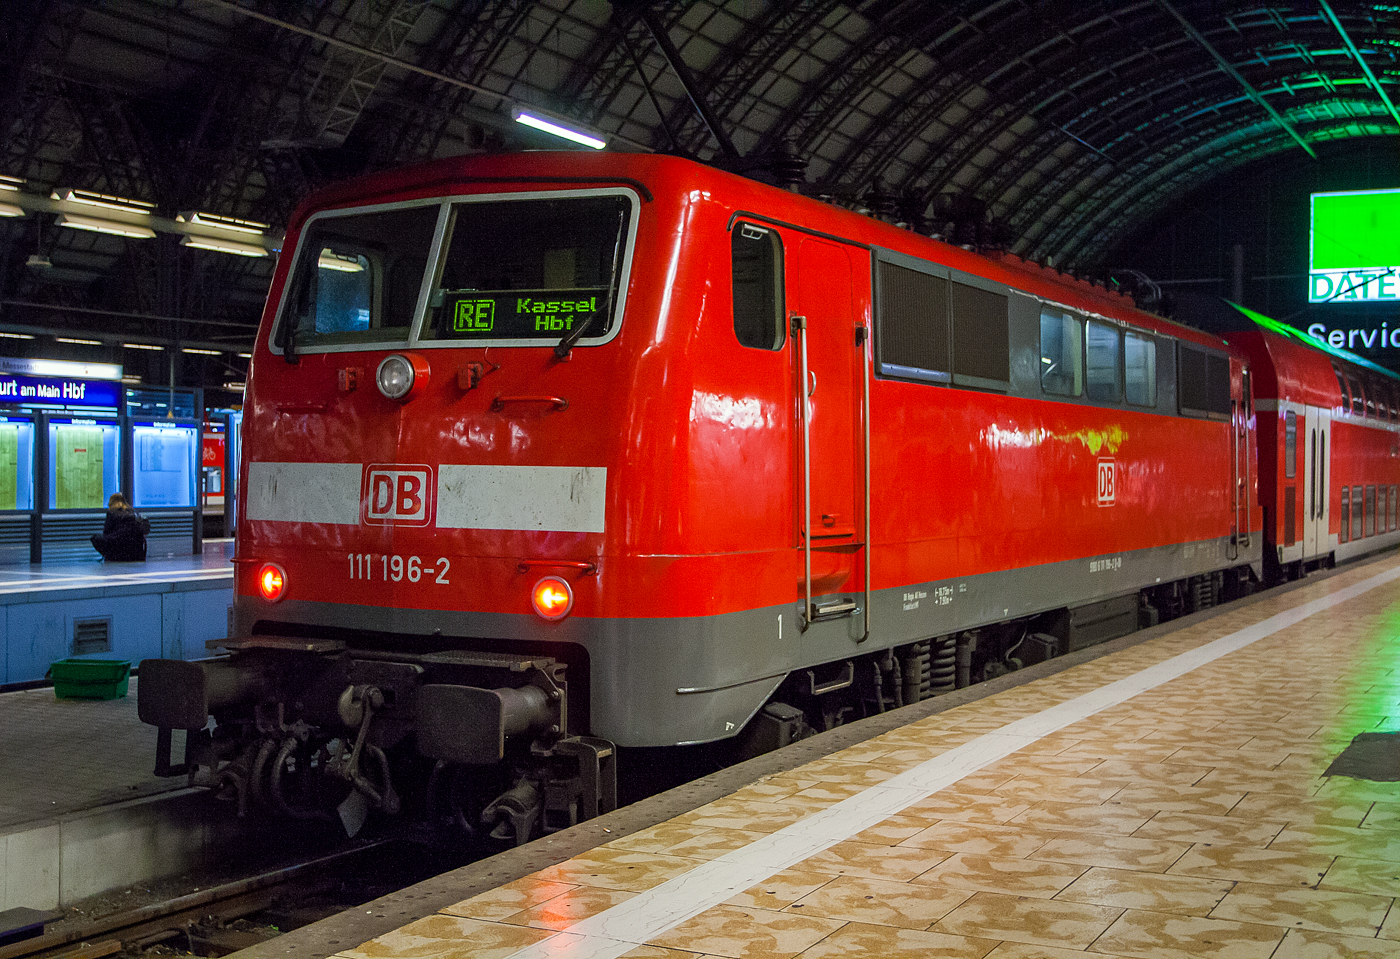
(1366, 545)
(659, 682)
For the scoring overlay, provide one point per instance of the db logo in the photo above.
(396, 495)
(1106, 482)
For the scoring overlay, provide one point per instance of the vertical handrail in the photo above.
(1248, 533)
(865, 415)
(1236, 419)
(799, 329)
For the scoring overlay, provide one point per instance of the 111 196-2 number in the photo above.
(396, 569)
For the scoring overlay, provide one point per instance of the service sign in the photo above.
(523, 314)
(59, 391)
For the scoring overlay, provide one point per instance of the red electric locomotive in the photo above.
(551, 453)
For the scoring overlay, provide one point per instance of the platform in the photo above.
(162, 607)
(81, 811)
(1165, 795)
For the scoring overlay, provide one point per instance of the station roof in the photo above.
(1053, 128)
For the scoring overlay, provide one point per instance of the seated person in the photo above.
(123, 536)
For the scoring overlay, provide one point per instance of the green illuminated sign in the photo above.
(524, 314)
(1355, 247)
(473, 316)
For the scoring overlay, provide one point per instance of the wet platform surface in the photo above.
(1167, 798)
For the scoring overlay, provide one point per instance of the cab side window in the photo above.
(1061, 353)
(757, 263)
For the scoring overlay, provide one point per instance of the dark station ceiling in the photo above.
(1056, 129)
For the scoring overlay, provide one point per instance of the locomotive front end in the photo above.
(423, 505)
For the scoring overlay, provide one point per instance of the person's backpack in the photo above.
(144, 523)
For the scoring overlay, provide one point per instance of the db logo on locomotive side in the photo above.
(393, 494)
(1107, 492)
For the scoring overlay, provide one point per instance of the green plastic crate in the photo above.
(90, 678)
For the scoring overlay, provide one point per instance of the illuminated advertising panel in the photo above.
(84, 463)
(1354, 247)
(163, 464)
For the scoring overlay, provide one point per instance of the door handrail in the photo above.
(799, 329)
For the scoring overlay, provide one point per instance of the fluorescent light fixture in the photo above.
(222, 246)
(75, 340)
(246, 356)
(341, 264)
(142, 346)
(17, 336)
(111, 227)
(10, 183)
(106, 201)
(131, 380)
(9, 209)
(86, 371)
(560, 128)
(236, 387)
(188, 349)
(225, 222)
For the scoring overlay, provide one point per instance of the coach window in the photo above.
(1392, 506)
(1346, 514)
(1140, 369)
(981, 337)
(1290, 445)
(911, 323)
(757, 262)
(1103, 352)
(1061, 353)
(1370, 511)
(1358, 398)
(1356, 500)
(1343, 389)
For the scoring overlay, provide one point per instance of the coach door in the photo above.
(1317, 428)
(829, 341)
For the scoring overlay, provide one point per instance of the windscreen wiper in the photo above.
(565, 346)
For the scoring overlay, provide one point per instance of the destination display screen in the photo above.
(522, 314)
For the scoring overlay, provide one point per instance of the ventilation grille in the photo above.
(92, 636)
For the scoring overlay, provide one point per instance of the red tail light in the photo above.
(552, 598)
(272, 581)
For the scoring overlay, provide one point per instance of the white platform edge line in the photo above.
(615, 931)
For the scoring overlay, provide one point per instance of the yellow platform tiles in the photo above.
(1166, 800)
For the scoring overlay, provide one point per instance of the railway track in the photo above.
(199, 919)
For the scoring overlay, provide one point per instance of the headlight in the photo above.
(400, 376)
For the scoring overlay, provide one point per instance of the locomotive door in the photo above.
(822, 305)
